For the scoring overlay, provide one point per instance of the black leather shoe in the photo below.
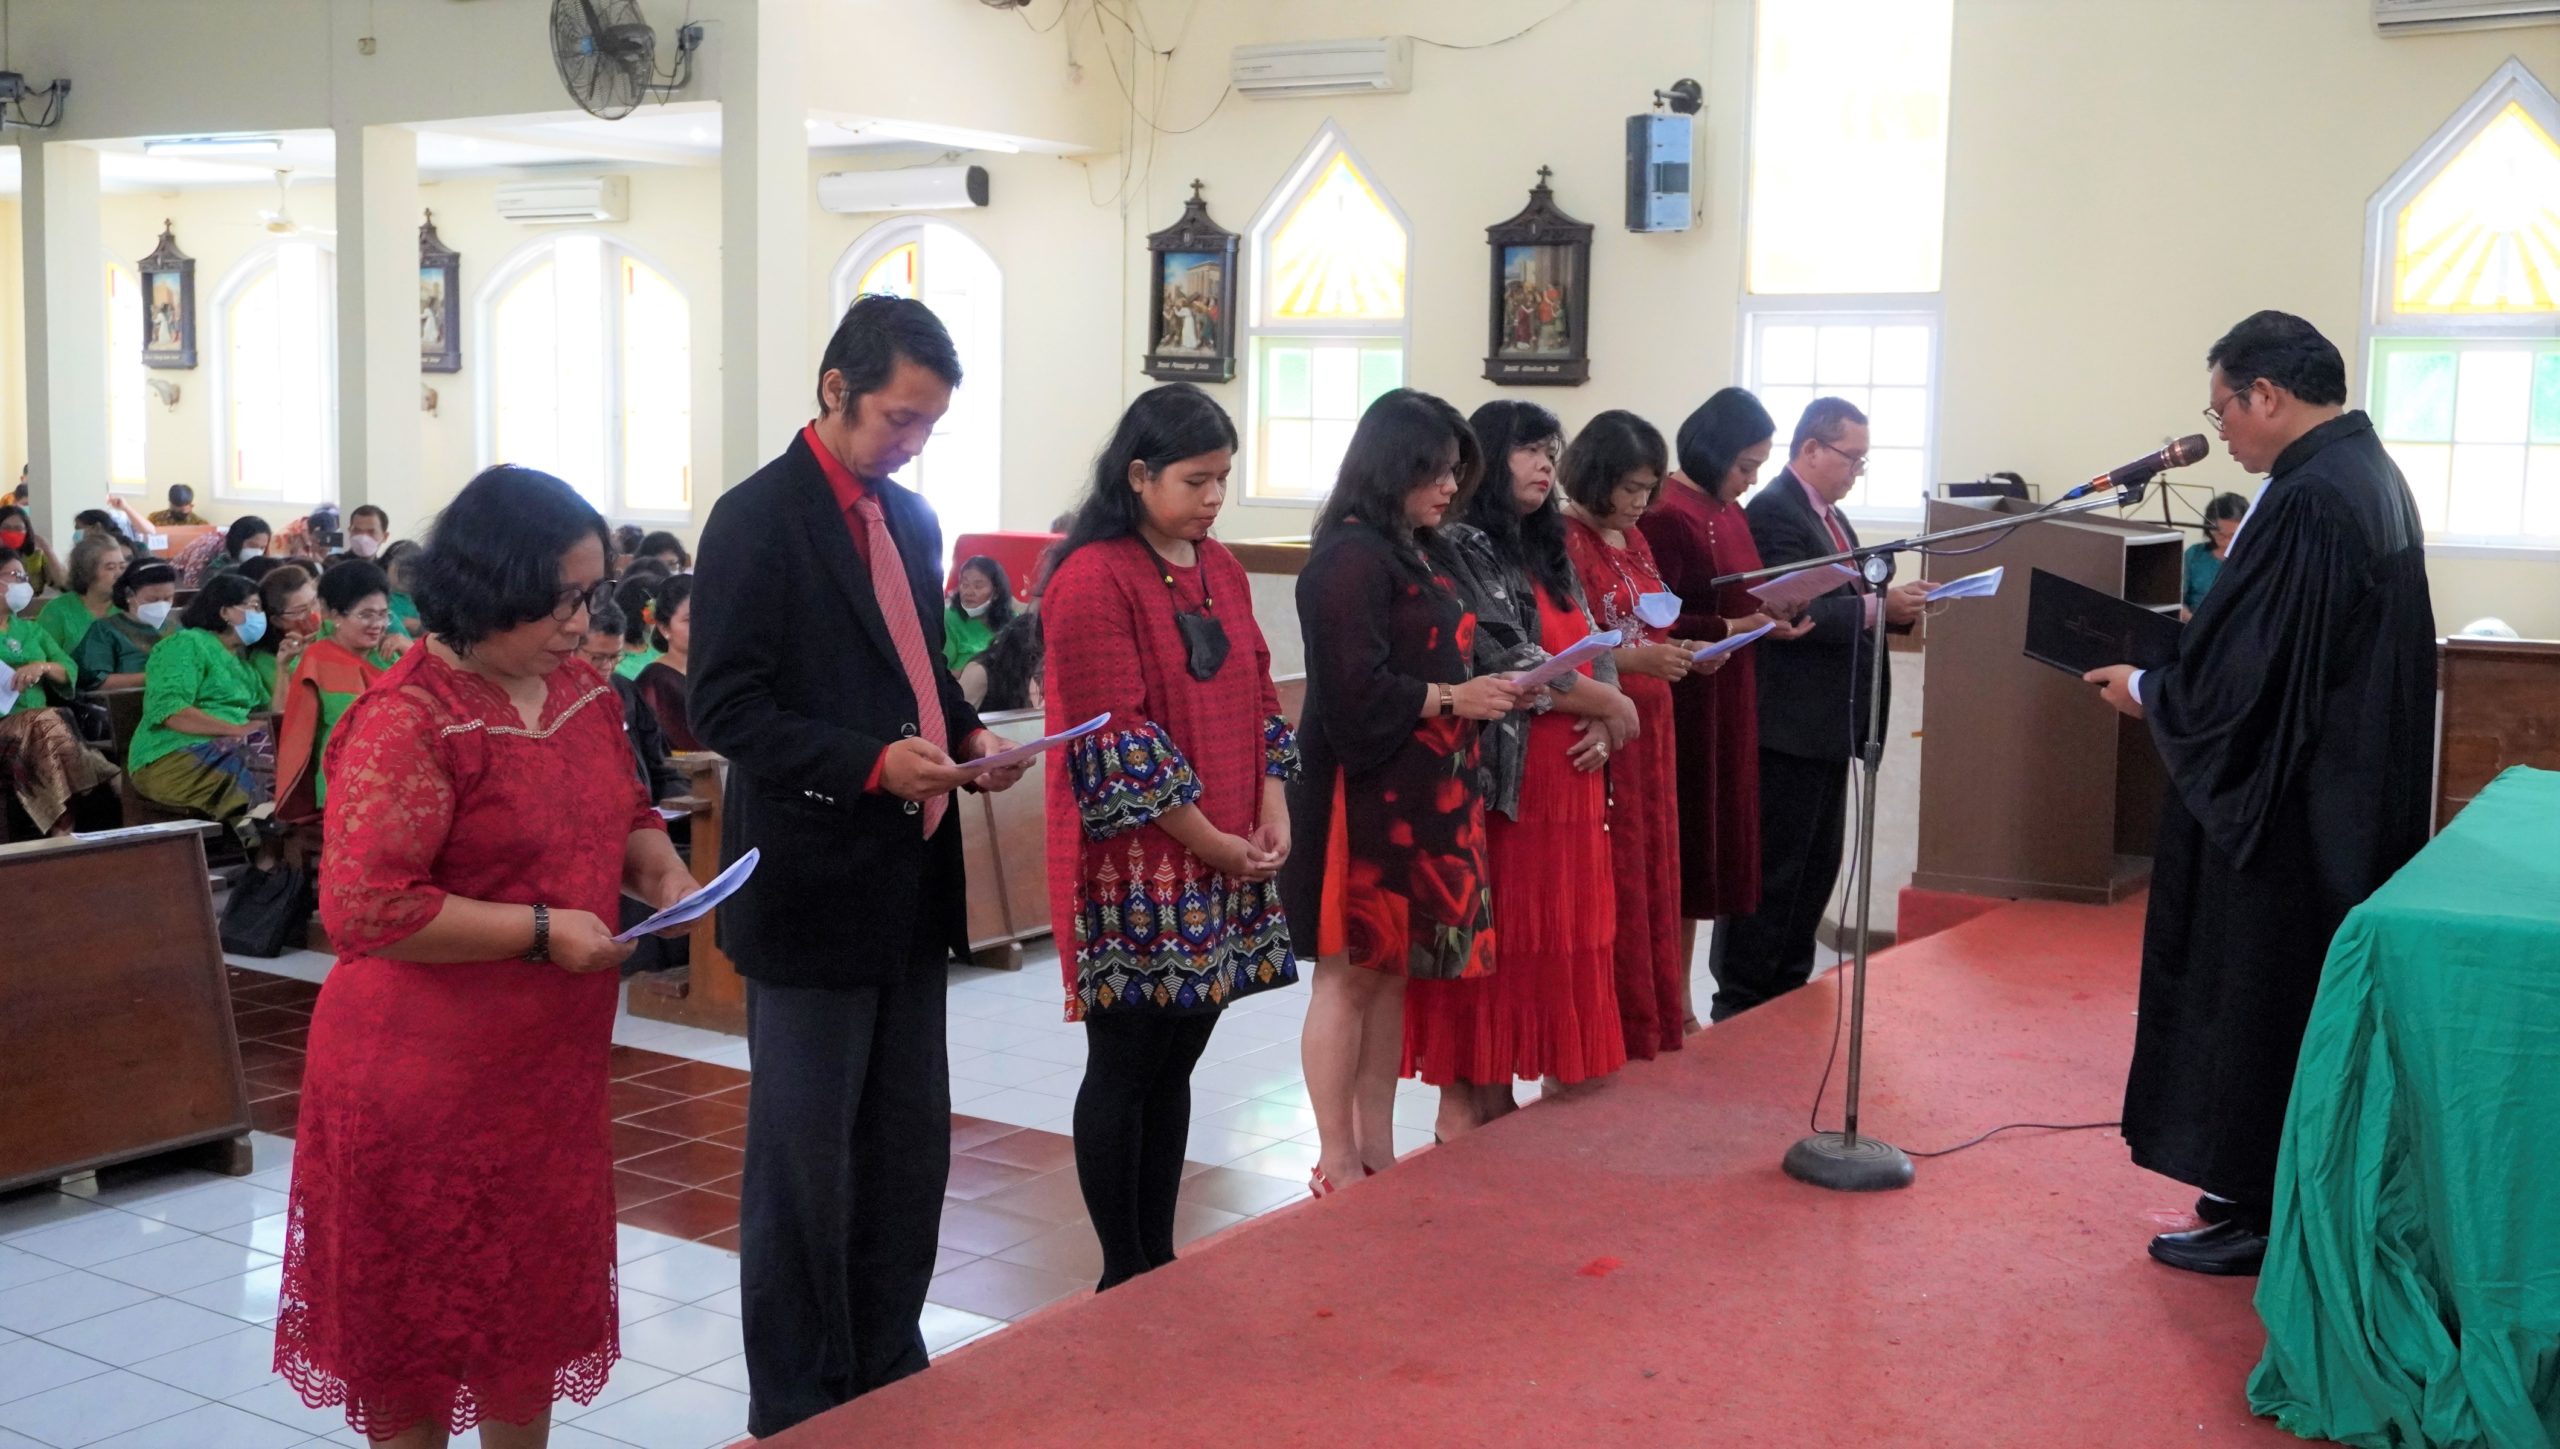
(2211, 1209)
(2226, 1250)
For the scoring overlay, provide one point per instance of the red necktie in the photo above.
(1839, 536)
(898, 609)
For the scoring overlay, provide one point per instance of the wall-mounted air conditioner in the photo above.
(2409, 17)
(562, 200)
(912, 188)
(1378, 66)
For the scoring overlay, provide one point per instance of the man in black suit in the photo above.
(1813, 710)
(817, 671)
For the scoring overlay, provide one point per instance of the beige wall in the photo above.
(13, 342)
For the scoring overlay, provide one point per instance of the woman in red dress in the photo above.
(450, 1250)
(1698, 533)
(1611, 475)
(1391, 883)
(1549, 1010)
(1167, 825)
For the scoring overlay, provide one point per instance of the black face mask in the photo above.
(1204, 639)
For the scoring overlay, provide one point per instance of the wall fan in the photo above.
(280, 222)
(608, 55)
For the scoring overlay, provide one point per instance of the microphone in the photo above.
(2133, 475)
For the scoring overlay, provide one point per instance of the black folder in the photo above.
(2076, 628)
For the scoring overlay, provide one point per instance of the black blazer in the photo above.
(1813, 690)
(796, 682)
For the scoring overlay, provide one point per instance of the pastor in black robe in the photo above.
(2296, 728)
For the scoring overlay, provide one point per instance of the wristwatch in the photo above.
(541, 935)
(1448, 701)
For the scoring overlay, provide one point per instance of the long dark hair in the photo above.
(1163, 426)
(1729, 421)
(1535, 541)
(1012, 662)
(1405, 439)
(242, 530)
(1609, 447)
(220, 592)
(672, 596)
(1000, 604)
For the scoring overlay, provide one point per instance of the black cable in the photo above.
(1506, 40)
(2016, 1127)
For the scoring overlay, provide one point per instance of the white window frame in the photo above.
(2512, 82)
(127, 381)
(1329, 139)
(484, 315)
(217, 336)
(983, 377)
(1891, 309)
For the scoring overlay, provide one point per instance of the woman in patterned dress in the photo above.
(1391, 885)
(449, 1249)
(1167, 825)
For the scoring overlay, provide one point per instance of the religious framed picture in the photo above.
(1192, 298)
(168, 304)
(439, 302)
(1540, 307)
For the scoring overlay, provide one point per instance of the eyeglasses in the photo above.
(576, 600)
(2215, 412)
(1857, 461)
(371, 616)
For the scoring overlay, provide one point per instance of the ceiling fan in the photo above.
(280, 222)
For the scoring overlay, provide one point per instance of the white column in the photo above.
(379, 436)
(66, 334)
(768, 378)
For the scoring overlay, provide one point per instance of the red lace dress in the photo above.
(1644, 825)
(450, 1250)
(1550, 1008)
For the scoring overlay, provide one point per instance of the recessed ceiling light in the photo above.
(213, 146)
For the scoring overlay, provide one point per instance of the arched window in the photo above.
(125, 380)
(590, 375)
(2462, 250)
(276, 376)
(961, 471)
(1326, 326)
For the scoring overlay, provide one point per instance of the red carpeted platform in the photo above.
(1632, 1267)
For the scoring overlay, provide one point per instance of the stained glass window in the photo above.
(1327, 335)
(2463, 378)
(894, 274)
(2484, 235)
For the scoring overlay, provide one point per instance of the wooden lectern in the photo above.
(2029, 785)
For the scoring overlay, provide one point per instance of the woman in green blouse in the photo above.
(96, 563)
(112, 654)
(2204, 560)
(195, 749)
(400, 562)
(979, 606)
(42, 762)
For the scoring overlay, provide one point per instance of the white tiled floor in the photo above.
(138, 1317)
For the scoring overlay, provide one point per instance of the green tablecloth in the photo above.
(2412, 1285)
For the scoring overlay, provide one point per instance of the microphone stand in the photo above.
(1845, 1161)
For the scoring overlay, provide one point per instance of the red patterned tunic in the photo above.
(450, 1250)
(1143, 924)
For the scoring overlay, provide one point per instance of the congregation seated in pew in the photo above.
(117, 646)
(197, 749)
(42, 758)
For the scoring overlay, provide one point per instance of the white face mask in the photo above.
(19, 596)
(152, 616)
(247, 554)
(363, 545)
(976, 610)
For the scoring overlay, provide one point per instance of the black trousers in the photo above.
(1803, 817)
(1133, 1119)
(848, 1151)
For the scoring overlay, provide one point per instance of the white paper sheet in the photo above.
(1972, 586)
(694, 907)
(1002, 758)
(1573, 657)
(1795, 590)
(1661, 610)
(1729, 643)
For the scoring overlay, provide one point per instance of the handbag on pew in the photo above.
(269, 911)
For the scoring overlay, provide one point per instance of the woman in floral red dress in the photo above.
(1167, 825)
(450, 1247)
(1612, 474)
(1390, 884)
(1698, 534)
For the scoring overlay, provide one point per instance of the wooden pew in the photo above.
(2497, 704)
(119, 1030)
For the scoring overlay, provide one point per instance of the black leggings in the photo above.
(1133, 1122)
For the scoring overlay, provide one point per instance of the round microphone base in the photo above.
(1848, 1164)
